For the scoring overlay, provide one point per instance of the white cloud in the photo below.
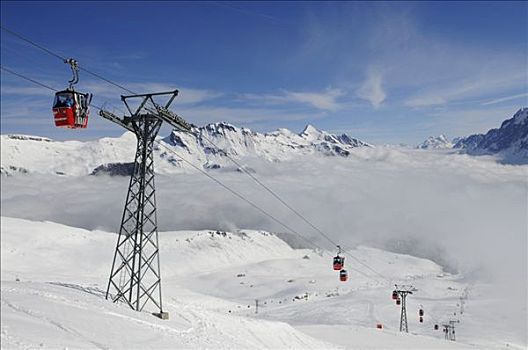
(372, 90)
(504, 99)
(388, 191)
(472, 88)
(325, 100)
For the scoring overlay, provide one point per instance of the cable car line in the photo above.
(38, 83)
(28, 79)
(343, 278)
(229, 157)
(206, 174)
(302, 217)
(33, 43)
(63, 59)
(220, 183)
(252, 204)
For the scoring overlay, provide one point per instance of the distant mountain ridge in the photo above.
(509, 142)
(32, 154)
(438, 142)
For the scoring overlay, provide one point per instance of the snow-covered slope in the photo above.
(438, 142)
(30, 154)
(54, 277)
(509, 142)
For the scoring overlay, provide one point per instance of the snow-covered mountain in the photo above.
(212, 142)
(206, 147)
(438, 142)
(509, 142)
(54, 279)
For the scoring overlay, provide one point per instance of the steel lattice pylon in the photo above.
(135, 276)
(403, 316)
(403, 292)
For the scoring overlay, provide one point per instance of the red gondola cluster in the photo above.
(396, 297)
(421, 313)
(339, 263)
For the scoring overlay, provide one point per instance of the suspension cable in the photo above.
(235, 193)
(38, 83)
(220, 183)
(28, 79)
(62, 58)
(229, 157)
(302, 217)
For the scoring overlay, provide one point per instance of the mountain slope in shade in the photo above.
(509, 142)
(30, 154)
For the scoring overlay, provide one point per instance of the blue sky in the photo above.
(383, 72)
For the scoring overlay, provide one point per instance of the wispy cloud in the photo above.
(325, 100)
(475, 87)
(504, 99)
(372, 88)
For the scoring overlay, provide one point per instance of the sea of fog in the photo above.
(467, 214)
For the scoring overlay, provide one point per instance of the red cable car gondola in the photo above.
(343, 275)
(398, 301)
(421, 319)
(394, 295)
(435, 327)
(420, 312)
(339, 261)
(70, 108)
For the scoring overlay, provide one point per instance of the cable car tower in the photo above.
(400, 295)
(135, 276)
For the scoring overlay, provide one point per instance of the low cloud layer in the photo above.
(465, 213)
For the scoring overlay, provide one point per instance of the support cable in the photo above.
(220, 183)
(229, 157)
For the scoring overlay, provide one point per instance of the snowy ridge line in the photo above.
(112, 156)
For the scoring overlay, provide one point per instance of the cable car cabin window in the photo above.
(63, 100)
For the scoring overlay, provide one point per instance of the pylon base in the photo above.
(162, 315)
